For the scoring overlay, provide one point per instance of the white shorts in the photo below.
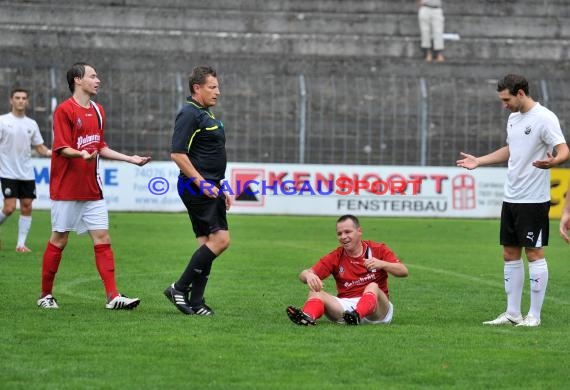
(79, 216)
(349, 304)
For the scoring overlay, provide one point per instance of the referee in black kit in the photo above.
(198, 148)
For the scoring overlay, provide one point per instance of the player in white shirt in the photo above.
(17, 134)
(535, 144)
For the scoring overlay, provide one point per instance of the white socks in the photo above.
(538, 274)
(514, 281)
(24, 224)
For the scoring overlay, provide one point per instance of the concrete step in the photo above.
(289, 44)
(509, 8)
(279, 22)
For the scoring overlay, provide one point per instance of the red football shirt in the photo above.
(81, 129)
(350, 274)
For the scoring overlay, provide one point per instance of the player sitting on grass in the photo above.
(360, 269)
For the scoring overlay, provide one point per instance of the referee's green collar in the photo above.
(190, 100)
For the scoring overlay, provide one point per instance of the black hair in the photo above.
(513, 82)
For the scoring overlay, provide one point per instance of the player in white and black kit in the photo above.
(535, 143)
(18, 133)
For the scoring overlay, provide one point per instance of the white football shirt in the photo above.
(530, 136)
(17, 136)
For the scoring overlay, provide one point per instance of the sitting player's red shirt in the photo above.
(350, 274)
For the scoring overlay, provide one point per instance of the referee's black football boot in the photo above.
(179, 299)
(203, 309)
(351, 317)
(299, 317)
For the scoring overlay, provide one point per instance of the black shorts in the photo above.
(20, 189)
(207, 215)
(525, 224)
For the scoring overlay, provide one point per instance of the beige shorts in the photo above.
(79, 216)
(349, 304)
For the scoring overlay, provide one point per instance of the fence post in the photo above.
(53, 98)
(179, 90)
(423, 122)
(544, 91)
(302, 117)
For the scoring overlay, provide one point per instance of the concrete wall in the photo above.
(140, 47)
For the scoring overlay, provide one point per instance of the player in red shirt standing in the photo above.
(76, 194)
(360, 269)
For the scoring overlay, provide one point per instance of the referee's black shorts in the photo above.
(525, 224)
(207, 215)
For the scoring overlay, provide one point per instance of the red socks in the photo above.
(314, 307)
(366, 304)
(105, 262)
(50, 264)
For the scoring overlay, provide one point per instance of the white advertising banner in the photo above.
(303, 189)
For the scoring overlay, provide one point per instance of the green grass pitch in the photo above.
(435, 341)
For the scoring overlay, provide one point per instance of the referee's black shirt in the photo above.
(201, 136)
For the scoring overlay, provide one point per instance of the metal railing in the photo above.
(324, 119)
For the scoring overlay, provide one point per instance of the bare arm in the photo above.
(396, 269)
(111, 154)
(471, 162)
(311, 279)
(187, 168)
(43, 150)
(550, 161)
(73, 153)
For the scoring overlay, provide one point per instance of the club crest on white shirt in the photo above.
(527, 130)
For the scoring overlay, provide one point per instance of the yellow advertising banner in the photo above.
(559, 179)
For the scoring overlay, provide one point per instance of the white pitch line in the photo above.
(477, 280)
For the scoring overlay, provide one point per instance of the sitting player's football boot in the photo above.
(299, 317)
(351, 317)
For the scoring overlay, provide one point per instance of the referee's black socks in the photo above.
(197, 271)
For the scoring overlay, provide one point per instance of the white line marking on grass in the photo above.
(478, 280)
(66, 288)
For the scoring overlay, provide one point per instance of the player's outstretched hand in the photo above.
(547, 163)
(468, 162)
(87, 156)
(140, 161)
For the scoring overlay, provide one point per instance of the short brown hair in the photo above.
(76, 70)
(199, 75)
(18, 89)
(345, 217)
